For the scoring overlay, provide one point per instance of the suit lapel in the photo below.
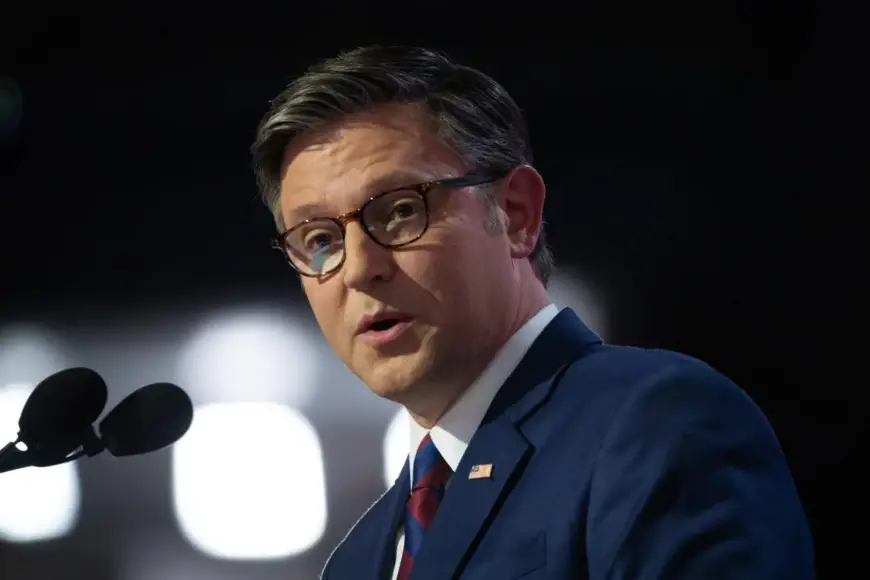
(385, 550)
(564, 340)
(368, 552)
(470, 504)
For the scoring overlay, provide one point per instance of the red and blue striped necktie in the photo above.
(431, 474)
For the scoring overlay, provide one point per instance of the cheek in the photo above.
(442, 266)
(327, 310)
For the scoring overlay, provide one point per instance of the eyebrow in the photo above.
(386, 182)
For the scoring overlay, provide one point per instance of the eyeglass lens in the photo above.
(391, 219)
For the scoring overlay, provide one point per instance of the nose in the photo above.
(365, 261)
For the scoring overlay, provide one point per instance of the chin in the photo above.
(394, 378)
(393, 386)
(395, 392)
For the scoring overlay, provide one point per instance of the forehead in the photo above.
(334, 170)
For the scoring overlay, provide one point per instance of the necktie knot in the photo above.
(430, 469)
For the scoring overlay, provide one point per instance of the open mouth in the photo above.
(385, 330)
(382, 325)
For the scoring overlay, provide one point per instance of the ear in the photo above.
(521, 198)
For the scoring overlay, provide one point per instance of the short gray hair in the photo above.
(473, 114)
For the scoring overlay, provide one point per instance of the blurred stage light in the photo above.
(395, 446)
(259, 356)
(28, 354)
(248, 482)
(568, 291)
(36, 503)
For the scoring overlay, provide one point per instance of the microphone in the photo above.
(59, 412)
(63, 403)
(148, 419)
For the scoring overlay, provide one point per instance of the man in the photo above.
(404, 195)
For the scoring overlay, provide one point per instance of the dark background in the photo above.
(703, 162)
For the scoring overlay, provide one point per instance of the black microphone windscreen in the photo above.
(62, 405)
(148, 419)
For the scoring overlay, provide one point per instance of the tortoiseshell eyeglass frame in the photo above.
(421, 189)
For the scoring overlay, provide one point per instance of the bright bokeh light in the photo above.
(568, 291)
(248, 482)
(395, 447)
(246, 356)
(36, 503)
(28, 354)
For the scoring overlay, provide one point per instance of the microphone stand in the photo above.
(8, 450)
(12, 458)
(60, 449)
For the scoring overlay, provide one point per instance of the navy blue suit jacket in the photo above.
(607, 463)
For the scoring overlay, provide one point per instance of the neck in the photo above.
(428, 413)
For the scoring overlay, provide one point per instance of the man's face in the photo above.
(449, 285)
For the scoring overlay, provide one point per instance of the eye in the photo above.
(402, 211)
(317, 240)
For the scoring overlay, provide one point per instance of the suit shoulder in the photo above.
(614, 377)
(632, 367)
(623, 396)
(636, 362)
(686, 461)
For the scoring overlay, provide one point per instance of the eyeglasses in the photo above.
(392, 219)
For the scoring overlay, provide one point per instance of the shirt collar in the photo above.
(454, 430)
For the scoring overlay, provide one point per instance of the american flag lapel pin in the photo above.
(481, 471)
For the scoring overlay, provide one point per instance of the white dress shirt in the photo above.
(454, 430)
